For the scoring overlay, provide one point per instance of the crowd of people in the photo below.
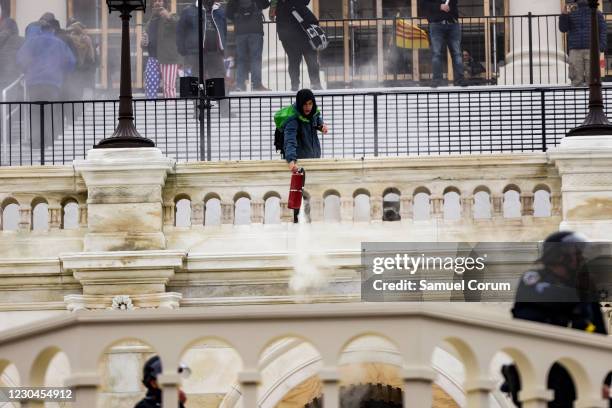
(171, 45)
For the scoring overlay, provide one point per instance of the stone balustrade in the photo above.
(413, 331)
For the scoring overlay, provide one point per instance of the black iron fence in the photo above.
(362, 124)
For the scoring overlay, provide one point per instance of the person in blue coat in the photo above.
(46, 61)
(300, 132)
(577, 25)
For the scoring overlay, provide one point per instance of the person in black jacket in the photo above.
(248, 24)
(558, 294)
(295, 42)
(444, 31)
(152, 369)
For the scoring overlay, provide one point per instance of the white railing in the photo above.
(6, 113)
(414, 330)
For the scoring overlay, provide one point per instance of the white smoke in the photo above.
(309, 266)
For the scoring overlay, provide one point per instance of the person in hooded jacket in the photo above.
(300, 131)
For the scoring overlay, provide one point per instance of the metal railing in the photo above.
(368, 123)
(6, 112)
(511, 50)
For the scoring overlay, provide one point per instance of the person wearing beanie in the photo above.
(300, 131)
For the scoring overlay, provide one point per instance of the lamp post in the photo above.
(125, 134)
(596, 122)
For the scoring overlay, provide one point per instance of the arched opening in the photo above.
(361, 207)
(421, 204)
(391, 205)
(272, 208)
(452, 204)
(213, 372)
(212, 215)
(512, 202)
(482, 204)
(182, 211)
(331, 206)
(121, 368)
(40, 215)
(10, 215)
(542, 204)
(242, 211)
(50, 369)
(70, 214)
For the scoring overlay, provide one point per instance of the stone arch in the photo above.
(121, 363)
(421, 204)
(452, 203)
(40, 214)
(391, 204)
(512, 207)
(182, 210)
(69, 213)
(329, 192)
(583, 383)
(212, 209)
(271, 194)
(41, 363)
(360, 191)
(9, 374)
(511, 187)
(241, 194)
(483, 208)
(9, 218)
(272, 207)
(331, 206)
(542, 201)
(362, 205)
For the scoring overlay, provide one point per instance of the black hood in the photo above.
(302, 97)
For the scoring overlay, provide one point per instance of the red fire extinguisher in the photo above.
(298, 179)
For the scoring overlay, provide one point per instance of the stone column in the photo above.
(535, 397)
(85, 388)
(25, 217)
(83, 215)
(169, 383)
(498, 206)
(257, 211)
(124, 198)
(227, 212)
(437, 207)
(549, 66)
(585, 167)
(197, 214)
(55, 217)
(406, 208)
(527, 204)
(376, 208)
(168, 214)
(347, 209)
(316, 209)
(418, 383)
(477, 393)
(286, 212)
(467, 208)
(331, 387)
(249, 381)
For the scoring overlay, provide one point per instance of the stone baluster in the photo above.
(406, 208)
(25, 217)
(55, 217)
(535, 397)
(498, 206)
(467, 208)
(85, 387)
(286, 212)
(169, 383)
(376, 208)
(331, 387)
(346, 209)
(527, 204)
(249, 381)
(316, 209)
(227, 212)
(83, 215)
(257, 211)
(418, 386)
(437, 207)
(197, 213)
(168, 214)
(555, 202)
(478, 392)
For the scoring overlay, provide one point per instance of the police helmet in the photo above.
(555, 246)
(152, 369)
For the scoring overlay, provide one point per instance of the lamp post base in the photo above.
(120, 142)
